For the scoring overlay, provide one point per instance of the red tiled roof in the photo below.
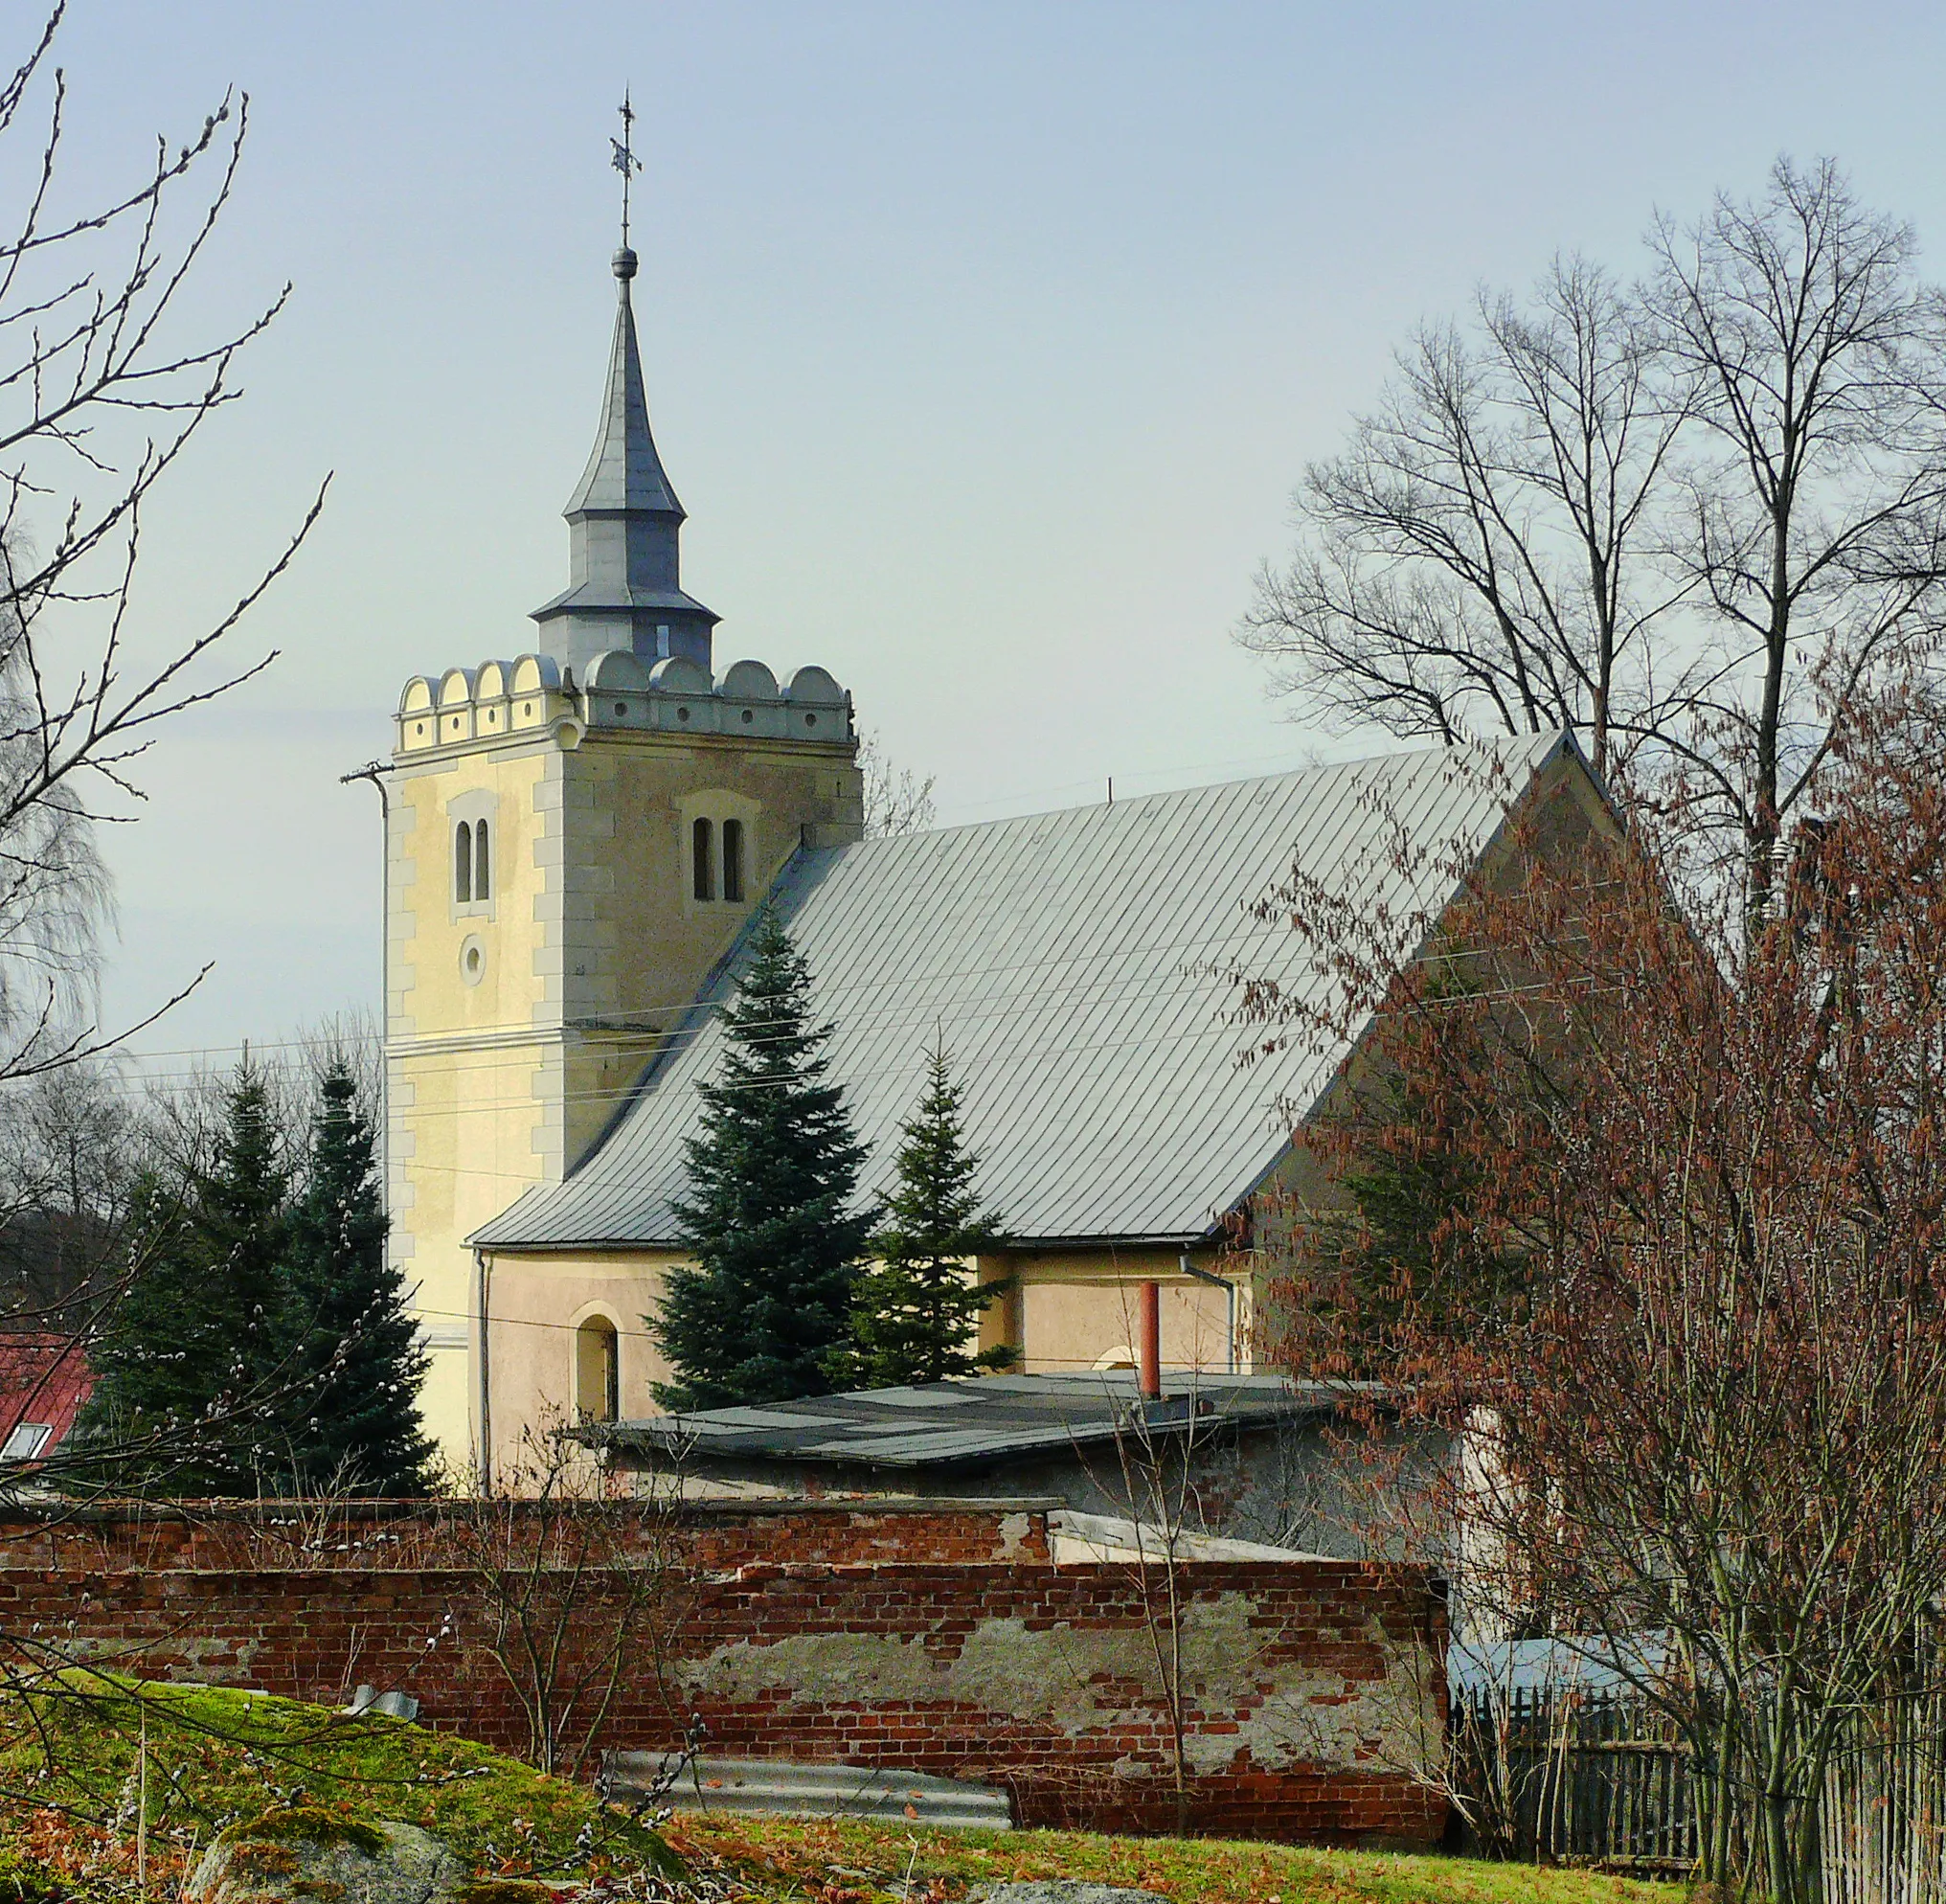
(44, 1380)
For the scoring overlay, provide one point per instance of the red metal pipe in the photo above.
(1151, 1342)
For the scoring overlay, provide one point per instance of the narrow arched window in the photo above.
(702, 855)
(482, 863)
(733, 860)
(463, 863)
(598, 1370)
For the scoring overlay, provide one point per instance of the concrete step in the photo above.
(813, 1789)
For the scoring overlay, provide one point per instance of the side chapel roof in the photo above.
(1074, 964)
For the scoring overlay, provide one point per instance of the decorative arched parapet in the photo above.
(751, 701)
(819, 709)
(685, 696)
(535, 679)
(418, 714)
(617, 690)
(618, 670)
(815, 688)
(678, 675)
(492, 708)
(455, 705)
(621, 690)
(748, 681)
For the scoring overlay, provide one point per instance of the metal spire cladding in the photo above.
(624, 523)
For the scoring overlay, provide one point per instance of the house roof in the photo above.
(974, 1424)
(1075, 964)
(44, 1381)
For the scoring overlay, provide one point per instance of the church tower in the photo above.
(574, 837)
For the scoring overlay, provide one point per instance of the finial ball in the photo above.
(624, 263)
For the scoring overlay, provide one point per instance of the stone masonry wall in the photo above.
(1309, 1688)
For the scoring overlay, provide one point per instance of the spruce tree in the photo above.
(915, 1308)
(767, 1217)
(356, 1361)
(190, 1367)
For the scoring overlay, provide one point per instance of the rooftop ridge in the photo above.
(1530, 749)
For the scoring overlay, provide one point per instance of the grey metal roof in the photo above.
(624, 525)
(965, 1425)
(1073, 963)
(623, 470)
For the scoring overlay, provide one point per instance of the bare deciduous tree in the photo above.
(570, 1596)
(100, 397)
(1478, 558)
(104, 386)
(896, 800)
(1692, 520)
(1811, 521)
(70, 1151)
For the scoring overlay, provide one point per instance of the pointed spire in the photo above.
(624, 523)
(625, 472)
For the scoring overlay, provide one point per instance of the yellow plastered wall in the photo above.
(538, 1304)
(1075, 1310)
(468, 1042)
(1069, 1311)
(515, 1027)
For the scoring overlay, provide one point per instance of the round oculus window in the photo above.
(472, 958)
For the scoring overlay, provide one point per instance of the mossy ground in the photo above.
(216, 1759)
(850, 1862)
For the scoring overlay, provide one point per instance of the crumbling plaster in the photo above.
(1083, 1680)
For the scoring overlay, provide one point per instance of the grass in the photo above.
(219, 1758)
(840, 1861)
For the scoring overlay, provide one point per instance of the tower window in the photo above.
(733, 860)
(598, 1370)
(702, 858)
(473, 817)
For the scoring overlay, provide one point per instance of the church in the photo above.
(577, 839)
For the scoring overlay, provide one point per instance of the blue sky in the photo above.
(984, 343)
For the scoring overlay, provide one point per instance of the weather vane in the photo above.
(624, 160)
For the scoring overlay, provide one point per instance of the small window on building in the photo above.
(482, 863)
(598, 1370)
(703, 856)
(733, 860)
(26, 1440)
(463, 863)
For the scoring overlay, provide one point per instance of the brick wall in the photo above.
(716, 1535)
(1308, 1685)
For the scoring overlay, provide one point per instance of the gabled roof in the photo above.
(1074, 964)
